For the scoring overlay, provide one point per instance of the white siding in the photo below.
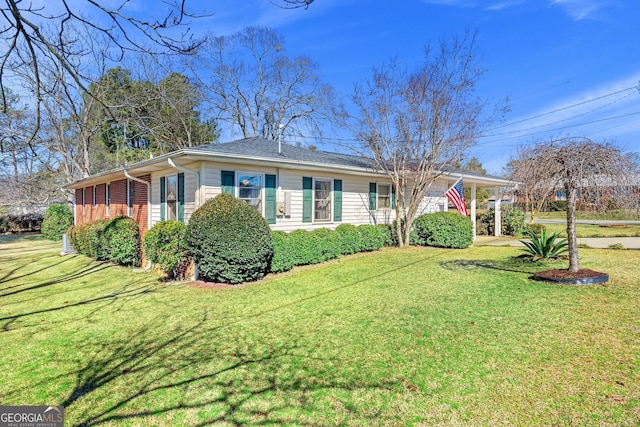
(355, 194)
(189, 191)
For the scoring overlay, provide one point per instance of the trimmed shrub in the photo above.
(284, 253)
(88, 239)
(371, 238)
(511, 219)
(313, 247)
(444, 229)
(57, 221)
(116, 240)
(389, 234)
(165, 245)
(349, 238)
(229, 240)
(327, 243)
(122, 238)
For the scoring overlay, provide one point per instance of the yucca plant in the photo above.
(544, 245)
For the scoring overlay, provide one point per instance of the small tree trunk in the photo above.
(571, 227)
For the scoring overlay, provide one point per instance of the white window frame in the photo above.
(331, 207)
(238, 174)
(94, 202)
(378, 204)
(130, 182)
(166, 197)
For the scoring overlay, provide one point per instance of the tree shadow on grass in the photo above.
(517, 264)
(7, 276)
(205, 372)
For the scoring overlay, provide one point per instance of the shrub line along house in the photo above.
(293, 187)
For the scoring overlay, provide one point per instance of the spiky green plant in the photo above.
(544, 245)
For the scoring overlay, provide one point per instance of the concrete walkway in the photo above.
(594, 242)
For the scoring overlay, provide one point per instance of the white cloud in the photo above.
(580, 9)
(500, 5)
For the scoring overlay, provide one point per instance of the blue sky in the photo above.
(569, 67)
(547, 56)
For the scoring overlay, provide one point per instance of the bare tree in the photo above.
(292, 4)
(532, 185)
(28, 43)
(601, 173)
(414, 125)
(255, 87)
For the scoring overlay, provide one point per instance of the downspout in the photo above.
(148, 184)
(197, 178)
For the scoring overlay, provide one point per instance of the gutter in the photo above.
(191, 171)
(133, 178)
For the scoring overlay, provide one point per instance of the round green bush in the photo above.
(165, 245)
(229, 240)
(443, 229)
(122, 238)
(57, 221)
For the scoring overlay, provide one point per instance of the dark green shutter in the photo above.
(270, 198)
(307, 199)
(228, 178)
(181, 197)
(372, 196)
(337, 200)
(393, 196)
(163, 198)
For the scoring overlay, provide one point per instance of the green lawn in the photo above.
(412, 336)
(594, 230)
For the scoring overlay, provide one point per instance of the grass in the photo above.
(412, 336)
(632, 215)
(593, 230)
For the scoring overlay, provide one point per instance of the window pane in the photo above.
(250, 190)
(384, 196)
(322, 205)
(172, 188)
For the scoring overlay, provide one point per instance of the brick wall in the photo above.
(86, 212)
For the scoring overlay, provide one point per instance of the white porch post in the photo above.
(473, 208)
(498, 225)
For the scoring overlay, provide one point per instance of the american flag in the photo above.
(456, 196)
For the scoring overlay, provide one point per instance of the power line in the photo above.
(560, 121)
(563, 127)
(565, 108)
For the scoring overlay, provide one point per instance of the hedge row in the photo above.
(116, 240)
(301, 247)
(20, 223)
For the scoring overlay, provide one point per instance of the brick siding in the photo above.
(86, 212)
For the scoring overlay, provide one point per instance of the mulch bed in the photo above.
(582, 276)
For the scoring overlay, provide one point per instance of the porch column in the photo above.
(498, 225)
(473, 209)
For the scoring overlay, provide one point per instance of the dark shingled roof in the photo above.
(266, 149)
